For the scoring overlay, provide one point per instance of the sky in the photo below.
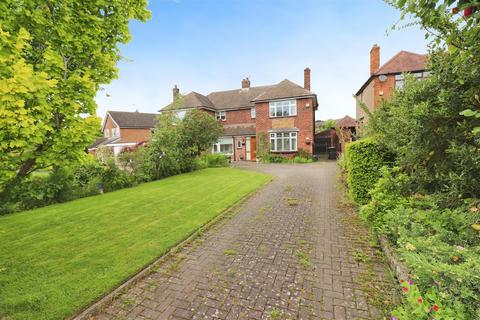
(211, 45)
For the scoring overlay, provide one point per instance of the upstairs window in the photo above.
(221, 115)
(285, 108)
(400, 79)
(253, 113)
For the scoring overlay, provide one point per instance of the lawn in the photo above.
(56, 260)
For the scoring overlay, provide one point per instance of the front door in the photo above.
(247, 149)
(253, 149)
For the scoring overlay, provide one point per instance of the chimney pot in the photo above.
(374, 59)
(245, 83)
(176, 92)
(306, 78)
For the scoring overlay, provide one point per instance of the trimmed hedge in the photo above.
(365, 158)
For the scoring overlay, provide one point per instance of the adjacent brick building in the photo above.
(383, 80)
(283, 113)
(124, 130)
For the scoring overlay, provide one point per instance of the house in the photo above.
(282, 114)
(383, 80)
(124, 130)
(343, 132)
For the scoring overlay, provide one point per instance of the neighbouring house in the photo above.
(282, 114)
(383, 80)
(343, 132)
(123, 130)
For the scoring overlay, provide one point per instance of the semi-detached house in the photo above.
(283, 113)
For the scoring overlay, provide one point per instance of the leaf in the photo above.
(468, 113)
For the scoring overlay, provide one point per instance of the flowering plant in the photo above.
(418, 307)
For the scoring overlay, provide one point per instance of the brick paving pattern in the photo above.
(286, 254)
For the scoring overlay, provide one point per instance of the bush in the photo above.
(299, 159)
(209, 160)
(365, 158)
(114, 178)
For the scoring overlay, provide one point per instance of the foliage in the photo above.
(326, 125)
(91, 245)
(263, 146)
(299, 159)
(104, 154)
(365, 158)
(114, 178)
(200, 130)
(54, 57)
(418, 307)
(209, 160)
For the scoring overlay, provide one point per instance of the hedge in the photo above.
(365, 158)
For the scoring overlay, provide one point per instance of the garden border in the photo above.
(401, 271)
(102, 301)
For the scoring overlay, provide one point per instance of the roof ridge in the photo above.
(240, 89)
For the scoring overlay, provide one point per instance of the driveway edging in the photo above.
(98, 304)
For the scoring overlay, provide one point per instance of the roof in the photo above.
(133, 119)
(284, 89)
(346, 122)
(239, 130)
(404, 61)
(191, 100)
(240, 98)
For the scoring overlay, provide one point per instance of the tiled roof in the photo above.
(240, 98)
(403, 61)
(346, 122)
(133, 119)
(284, 89)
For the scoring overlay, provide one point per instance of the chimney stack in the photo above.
(306, 78)
(176, 92)
(374, 59)
(245, 83)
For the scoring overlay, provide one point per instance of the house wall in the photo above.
(238, 117)
(368, 98)
(135, 135)
(304, 121)
(383, 90)
(240, 154)
(109, 125)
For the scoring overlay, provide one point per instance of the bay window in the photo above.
(224, 145)
(283, 141)
(284, 108)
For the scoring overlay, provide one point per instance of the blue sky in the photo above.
(210, 45)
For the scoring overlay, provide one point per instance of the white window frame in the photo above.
(221, 115)
(217, 147)
(282, 108)
(285, 138)
(239, 144)
(253, 113)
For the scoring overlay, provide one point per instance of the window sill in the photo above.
(283, 151)
(282, 117)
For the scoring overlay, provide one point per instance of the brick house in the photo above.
(124, 130)
(383, 80)
(283, 113)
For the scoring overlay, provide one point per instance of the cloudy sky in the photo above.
(210, 45)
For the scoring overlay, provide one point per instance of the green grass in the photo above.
(56, 260)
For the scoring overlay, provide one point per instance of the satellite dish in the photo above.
(382, 78)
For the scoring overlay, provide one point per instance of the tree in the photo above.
(200, 130)
(54, 55)
(425, 125)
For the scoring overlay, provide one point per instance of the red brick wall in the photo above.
(386, 87)
(304, 121)
(238, 117)
(109, 124)
(134, 135)
(240, 154)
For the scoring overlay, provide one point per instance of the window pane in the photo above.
(285, 110)
(272, 145)
(294, 144)
(279, 143)
(286, 143)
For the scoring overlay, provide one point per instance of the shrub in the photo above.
(299, 159)
(365, 158)
(114, 178)
(209, 160)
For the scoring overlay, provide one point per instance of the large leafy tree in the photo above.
(54, 55)
(200, 130)
(432, 125)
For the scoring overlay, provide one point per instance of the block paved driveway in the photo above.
(288, 253)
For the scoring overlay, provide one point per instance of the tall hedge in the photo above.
(365, 158)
